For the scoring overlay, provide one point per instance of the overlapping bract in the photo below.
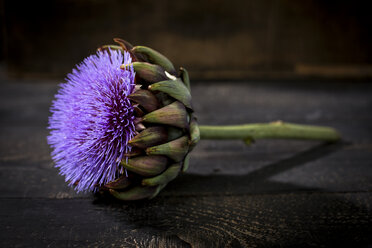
(167, 129)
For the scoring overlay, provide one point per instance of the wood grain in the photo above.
(273, 193)
(290, 219)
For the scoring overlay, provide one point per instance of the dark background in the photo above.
(253, 39)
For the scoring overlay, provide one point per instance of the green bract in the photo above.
(166, 127)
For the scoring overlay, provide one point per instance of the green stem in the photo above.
(273, 130)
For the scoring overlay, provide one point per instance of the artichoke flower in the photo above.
(123, 123)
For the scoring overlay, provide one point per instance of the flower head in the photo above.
(123, 127)
(92, 120)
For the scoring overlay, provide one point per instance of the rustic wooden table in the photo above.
(273, 193)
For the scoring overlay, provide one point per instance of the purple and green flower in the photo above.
(123, 122)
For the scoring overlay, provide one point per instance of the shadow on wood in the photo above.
(223, 214)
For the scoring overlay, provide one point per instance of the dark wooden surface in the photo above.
(271, 194)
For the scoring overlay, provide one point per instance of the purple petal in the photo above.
(92, 120)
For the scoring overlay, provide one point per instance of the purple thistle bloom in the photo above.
(93, 120)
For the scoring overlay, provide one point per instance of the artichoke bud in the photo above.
(166, 129)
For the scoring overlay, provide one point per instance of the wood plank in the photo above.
(297, 219)
(273, 193)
